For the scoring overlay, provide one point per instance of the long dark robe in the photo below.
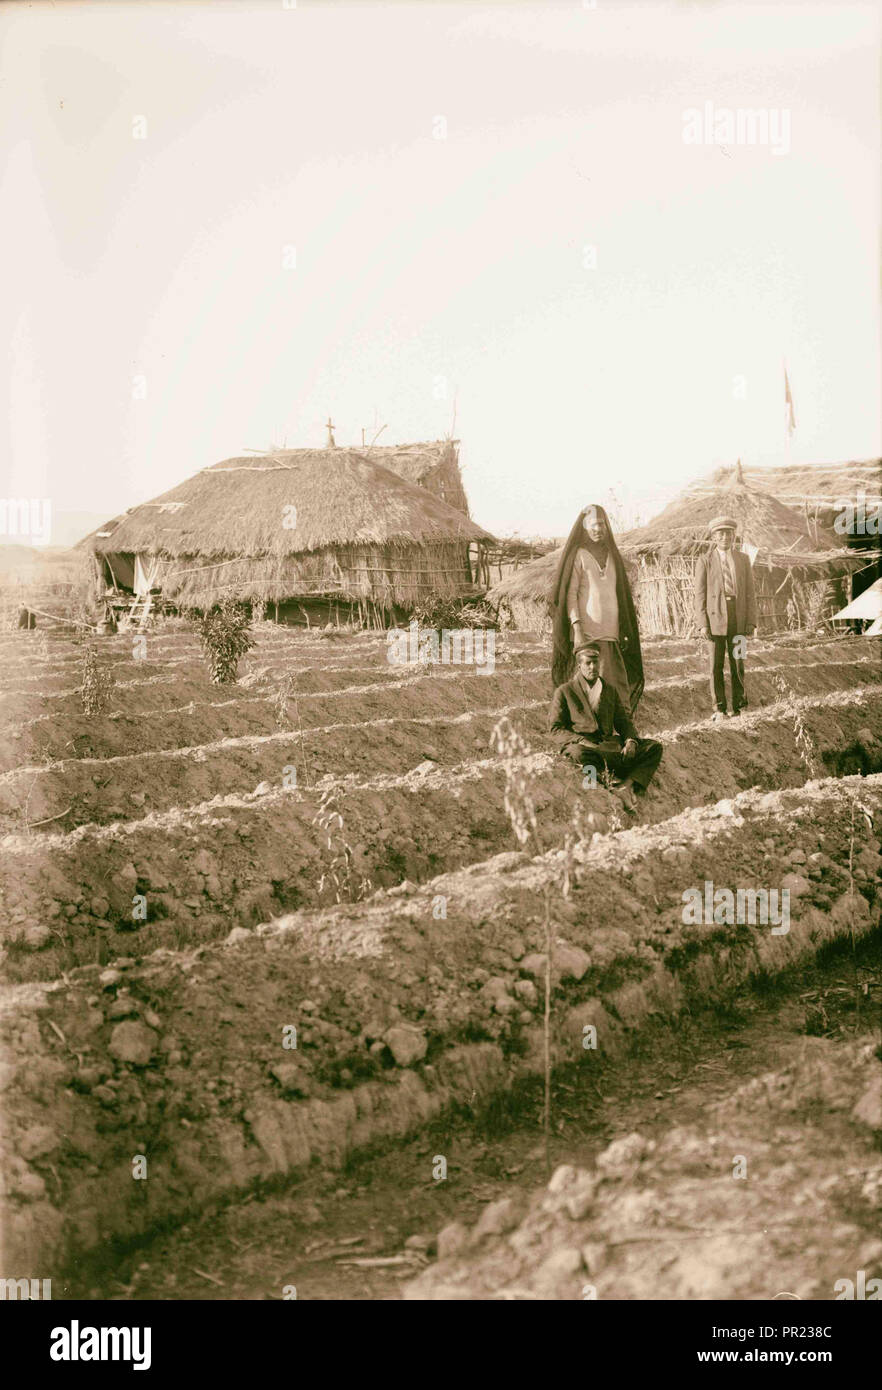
(562, 659)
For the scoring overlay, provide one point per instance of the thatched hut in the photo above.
(801, 574)
(846, 496)
(817, 490)
(315, 532)
(433, 465)
(522, 597)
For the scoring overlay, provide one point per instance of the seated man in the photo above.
(593, 727)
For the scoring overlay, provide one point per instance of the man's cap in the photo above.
(722, 523)
(587, 647)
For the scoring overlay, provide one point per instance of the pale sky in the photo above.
(156, 329)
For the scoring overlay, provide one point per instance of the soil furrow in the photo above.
(180, 1058)
(228, 862)
(160, 779)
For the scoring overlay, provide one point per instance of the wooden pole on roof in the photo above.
(789, 415)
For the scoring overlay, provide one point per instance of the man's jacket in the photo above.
(710, 597)
(572, 717)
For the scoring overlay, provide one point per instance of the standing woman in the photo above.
(591, 601)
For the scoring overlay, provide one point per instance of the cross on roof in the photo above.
(330, 428)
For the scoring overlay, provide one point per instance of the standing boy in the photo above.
(725, 609)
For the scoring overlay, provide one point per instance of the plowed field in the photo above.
(200, 868)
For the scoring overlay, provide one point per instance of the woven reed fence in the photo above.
(367, 584)
(785, 598)
(386, 576)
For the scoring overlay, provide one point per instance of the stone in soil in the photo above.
(687, 1230)
(292, 1077)
(36, 937)
(407, 1044)
(133, 1042)
(452, 1239)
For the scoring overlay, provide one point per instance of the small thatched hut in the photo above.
(316, 532)
(817, 490)
(846, 496)
(522, 597)
(801, 574)
(433, 465)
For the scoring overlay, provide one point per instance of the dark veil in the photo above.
(562, 658)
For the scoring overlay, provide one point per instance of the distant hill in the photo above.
(52, 579)
(18, 557)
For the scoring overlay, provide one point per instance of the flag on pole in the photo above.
(788, 404)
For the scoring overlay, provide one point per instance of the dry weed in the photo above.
(97, 686)
(282, 696)
(845, 792)
(805, 744)
(520, 806)
(339, 876)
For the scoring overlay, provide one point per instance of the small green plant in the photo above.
(97, 686)
(225, 635)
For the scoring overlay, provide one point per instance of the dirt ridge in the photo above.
(197, 1081)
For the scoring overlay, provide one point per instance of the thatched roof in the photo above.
(240, 507)
(433, 465)
(779, 532)
(413, 462)
(818, 484)
(531, 583)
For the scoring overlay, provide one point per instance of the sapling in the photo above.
(225, 635)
